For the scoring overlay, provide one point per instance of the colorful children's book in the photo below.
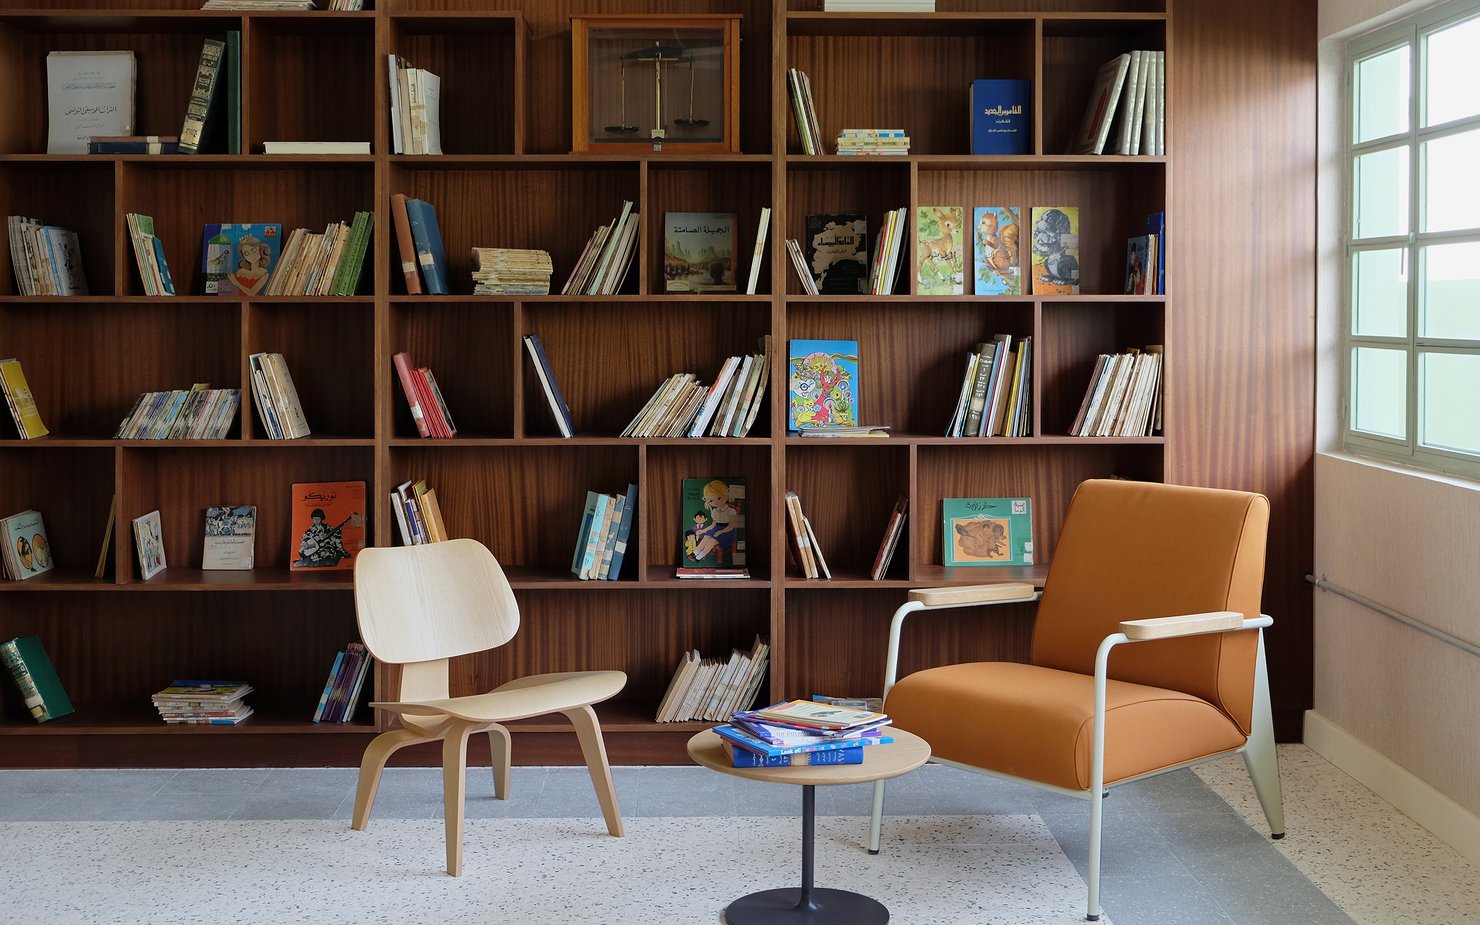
(744, 758)
(149, 541)
(20, 401)
(231, 532)
(328, 524)
(699, 252)
(712, 543)
(27, 550)
(940, 244)
(1055, 250)
(999, 116)
(238, 259)
(32, 671)
(1138, 257)
(987, 531)
(837, 253)
(995, 240)
(823, 383)
(736, 737)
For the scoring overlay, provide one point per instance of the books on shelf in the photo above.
(149, 259)
(342, 689)
(822, 384)
(799, 90)
(878, 6)
(133, 144)
(88, 93)
(684, 407)
(237, 259)
(511, 271)
(231, 536)
(328, 524)
(425, 237)
(1156, 226)
(20, 401)
(276, 398)
(608, 255)
(996, 240)
(322, 264)
(197, 413)
(415, 98)
(802, 540)
(763, 225)
(941, 248)
(27, 550)
(1124, 396)
(203, 110)
(1104, 96)
(712, 537)
(45, 259)
(872, 142)
(1140, 265)
(1129, 95)
(799, 264)
(999, 116)
(606, 527)
(554, 398)
(149, 544)
(893, 530)
(418, 514)
(205, 703)
(32, 671)
(1055, 250)
(987, 531)
(995, 399)
(315, 147)
(837, 253)
(714, 688)
(699, 252)
(263, 5)
(888, 249)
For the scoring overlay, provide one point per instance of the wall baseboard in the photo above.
(1431, 809)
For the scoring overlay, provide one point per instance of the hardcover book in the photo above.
(995, 240)
(237, 260)
(837, 253)
(1156, 224)
(27, 550)
(987, 531)
(999, 117)
(940, 248)
(823, 384)
(427, 238)
(699, 252)
(31, 669)
(713, 532)
(149, 542)
(1095, 128)
(328, 524)
(200, 112)
(231, 532)
(1055, 250)
(20, 401)
(87, 93)
(1137, 265)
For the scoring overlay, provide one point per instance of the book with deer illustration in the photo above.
(995, 237)
(712, 536)
(837, 253)
(941, 250)
(1055, 250)
(699, 252)
(328, 524)
(986, 531)
(822, 384)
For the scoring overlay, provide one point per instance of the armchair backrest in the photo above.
(1132, 550)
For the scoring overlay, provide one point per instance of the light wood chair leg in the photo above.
(588, 731)
(501, 750)
(454, 791)
(376, 754)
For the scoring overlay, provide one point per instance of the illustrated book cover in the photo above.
(1138, 259)
(27, 549)
(995, 238)
(941, 250)
(987, 531)
(822, 383)
(837, 253)
(699, 252)
(231, 532)
(31, 669)
(328, 524)
(87, 93)
(149, 542)
(238, 259)
(999, 116)
(712, 543)
(1055, 250)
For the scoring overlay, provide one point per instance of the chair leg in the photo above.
(588, 731)
(876, 821)
(501, 751)
(1259, 755)
(376, 754)
(1096, 823)
(454, 791)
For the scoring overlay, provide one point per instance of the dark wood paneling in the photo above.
(334, 376)
(318, 83)
(457, 341)
(1074, 335)
(75, 196)
(847, 494)
(475, 59)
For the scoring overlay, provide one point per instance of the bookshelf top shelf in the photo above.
(975, 161)
(197, 21)
(956, 24)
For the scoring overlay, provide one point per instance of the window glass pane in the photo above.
(1381, 202)
(1452, 72)
(1380, 293)
(1380, 391)
(1451, 382)
(1451, 191)
(1381, 84)
(1451, 292)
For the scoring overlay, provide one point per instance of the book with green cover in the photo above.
(40, 687)
(713, 530)
(987, 531)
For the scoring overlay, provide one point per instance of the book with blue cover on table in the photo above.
(751, 744)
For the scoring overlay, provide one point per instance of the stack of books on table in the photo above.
(604, 262)
(342, 691)
(873, 141)
(996, 392)
(213, 703)
(606, 526)
(511, 271)
(276, 397)
(802, 732)
(197, 413)
(418, 515)
(713, 688)
(684, 407)
(1124, 396)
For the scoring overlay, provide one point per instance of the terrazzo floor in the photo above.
(1186, 847)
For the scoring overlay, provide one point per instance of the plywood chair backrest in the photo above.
(422, 603)
(1131, 550)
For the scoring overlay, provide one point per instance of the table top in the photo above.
(907, 752)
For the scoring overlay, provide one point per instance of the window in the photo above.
(1412, 335)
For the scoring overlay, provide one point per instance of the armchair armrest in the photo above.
(1191, 624)
(973, 594)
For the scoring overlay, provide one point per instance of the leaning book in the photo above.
(31, 669)
(987, 531)
(713, 531)
(27, 549)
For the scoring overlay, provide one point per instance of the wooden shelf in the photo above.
(259, 579)
(109, 719)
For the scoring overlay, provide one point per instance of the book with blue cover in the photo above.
(756, 746)
(546, 374)
(1156, 223)
(999, 116)
(238, 259)
(427, 238)
(741, 758)
(822, 384)
(987, 531)
(996, 253)
(624, 532)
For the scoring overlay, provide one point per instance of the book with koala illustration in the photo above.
(986, 531)
(940, 248)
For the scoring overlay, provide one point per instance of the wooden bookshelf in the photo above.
(508, 179)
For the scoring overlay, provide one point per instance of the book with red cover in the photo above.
(328, 524)
(405, 245)
(402, 362)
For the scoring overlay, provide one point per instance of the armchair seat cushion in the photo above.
(1035, 723)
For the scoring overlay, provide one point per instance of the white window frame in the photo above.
(1411, 32)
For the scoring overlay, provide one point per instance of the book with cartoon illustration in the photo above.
(940, 247)
(328, 524)
(1055, 250)
(712, 536)
(238, 259)
(822, 384)
(149, 543)
(231, 532)
(27, 550)
(995, 248)
(699, 252)
(986, 531)
(837, 253)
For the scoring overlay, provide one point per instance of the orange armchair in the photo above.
(1147, 656)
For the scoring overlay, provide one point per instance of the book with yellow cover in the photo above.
(328, 524)
(18, 397)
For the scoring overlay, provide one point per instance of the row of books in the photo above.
(27, 551)
(19, 400)
(606, 258)
(802, 732)
(860, 142)
(154, 269)
(511, 271)
(416, 94)
(418, 515)
(276, 397)
(1145, 258)
(197, 413)
(884, 268)
(1134, 85)
(685, 407)
(31, 669)
(996, 392)
(428, 407)
(321, 264)
(606, 526)
(342, 690)
(714, 688)
(799, 90)
(878, 6)
(419, 243)
(46, 259)
(549, 385)
(211, 703)
(1124, 396)
(802, 540)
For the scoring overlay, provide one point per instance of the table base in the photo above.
(783, 906)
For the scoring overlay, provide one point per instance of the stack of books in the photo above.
(428, 407)
(548, 384)
(133, 144)
(799, 89)
(197, 413)
(1124, 396)
(19, 400)
(608, 255)
(714, 688)
(884, 271)
(996, 392)
(46, 259)
(154, 270)
(684, 407)
(213, 703)
(511, 271)
(802, 732)
(416, 100)
(802, 540)
(27, 551)
(276, 398)
(418, 514)
(259, 6)
(1132, 85)
(342, 691)
(873, 141)
(606, 526)
(323, 264)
